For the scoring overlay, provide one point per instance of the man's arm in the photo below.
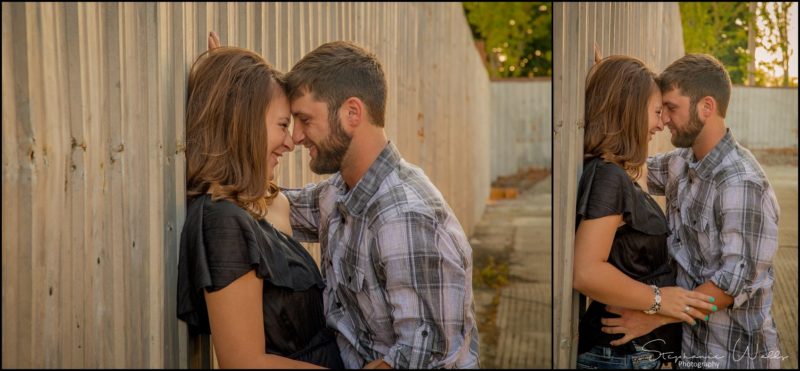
(748, 217)
(304, 213)
(426, 289)
(635, 323)
(749, 243)
(657, 173)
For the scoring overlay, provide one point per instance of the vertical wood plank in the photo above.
(93, 128)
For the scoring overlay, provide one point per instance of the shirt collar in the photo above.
(358, 197)
(705, 167)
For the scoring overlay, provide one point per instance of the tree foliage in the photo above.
(774, 38)
(718, 29)
(721, 29)
(516, 37)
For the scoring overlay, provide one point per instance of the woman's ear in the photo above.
(213, 40)
(597, 55)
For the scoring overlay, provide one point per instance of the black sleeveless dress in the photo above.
(639, 250)
(220, 242)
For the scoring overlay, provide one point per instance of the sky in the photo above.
(762, 55)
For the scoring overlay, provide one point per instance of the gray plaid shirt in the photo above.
(723, 217)
(397, 267)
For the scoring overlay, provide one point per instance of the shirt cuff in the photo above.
(417, 355)
(731, 281)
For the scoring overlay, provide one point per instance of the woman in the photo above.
(252, 286)
(621, 256)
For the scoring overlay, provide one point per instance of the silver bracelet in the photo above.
(657, 302)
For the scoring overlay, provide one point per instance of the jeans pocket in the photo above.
(595, 359)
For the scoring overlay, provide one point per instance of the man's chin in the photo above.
(679, 142)
(321, 170)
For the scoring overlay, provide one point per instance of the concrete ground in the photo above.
(784, 307)
(515, 320)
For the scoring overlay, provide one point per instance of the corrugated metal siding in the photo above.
(521, 125)
(649, 31)
(763, 117)
(93, 161)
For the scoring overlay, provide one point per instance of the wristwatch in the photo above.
(656, 303)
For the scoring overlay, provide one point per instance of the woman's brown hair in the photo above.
(618, 89)
(226, 134)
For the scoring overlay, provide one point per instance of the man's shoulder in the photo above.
(406, 192)
(740, 167)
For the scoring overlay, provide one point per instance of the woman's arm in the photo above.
(596, 278)
(237, 326)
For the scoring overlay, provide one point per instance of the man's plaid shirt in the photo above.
(397, 267)
(723, 217)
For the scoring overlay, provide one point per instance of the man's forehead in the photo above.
(300, 104)
(674, 96)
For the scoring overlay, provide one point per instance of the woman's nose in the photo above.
(288, 142)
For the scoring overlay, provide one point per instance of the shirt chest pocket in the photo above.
(351, 277)
(702, 230)
(354, 291)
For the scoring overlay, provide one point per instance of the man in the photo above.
(723, 217)
(396, 262)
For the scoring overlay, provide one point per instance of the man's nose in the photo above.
(297, 135)
(665, 119)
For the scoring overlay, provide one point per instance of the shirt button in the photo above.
(679, 240)
(424, 333)
(338, 304)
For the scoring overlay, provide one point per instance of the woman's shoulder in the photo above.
(598, 172)
(278, 214)
(221, 214)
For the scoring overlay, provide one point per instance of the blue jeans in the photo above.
(603, 357)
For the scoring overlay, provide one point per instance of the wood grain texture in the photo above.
(93, 153)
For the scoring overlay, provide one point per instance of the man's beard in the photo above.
(684, 138)
(331, 151)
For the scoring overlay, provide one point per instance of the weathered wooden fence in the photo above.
(649, 31)
(521, 125)
(763, 118)
(93, 152)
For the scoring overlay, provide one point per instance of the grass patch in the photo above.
(492, 274)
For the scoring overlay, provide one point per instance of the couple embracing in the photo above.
(394, 289)
(693, 287)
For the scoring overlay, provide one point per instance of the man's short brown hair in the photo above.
(336, 71)
(698, 76)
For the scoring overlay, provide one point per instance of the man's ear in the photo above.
(352, 114)
(707, 107)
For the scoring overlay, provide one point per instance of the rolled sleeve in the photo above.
(425, 290)
(657, 173)
(749, 237)
(304, 212)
